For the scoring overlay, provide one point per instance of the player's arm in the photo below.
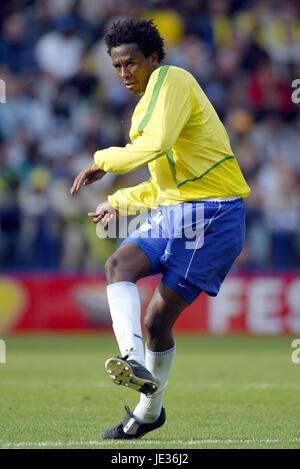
(88, 175)
(159, 129)
(129, 201)
(133, 200)
(104, 213)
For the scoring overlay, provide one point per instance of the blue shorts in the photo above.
(193, 244)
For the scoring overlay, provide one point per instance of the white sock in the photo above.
(125, 309)
(159, 363)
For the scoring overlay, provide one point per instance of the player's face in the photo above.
(133, 68)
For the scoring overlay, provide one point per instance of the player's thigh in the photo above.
(152, 247)
(128, 263)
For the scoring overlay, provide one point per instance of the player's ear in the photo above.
(154, 59)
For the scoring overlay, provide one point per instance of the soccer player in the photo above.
(196, 187)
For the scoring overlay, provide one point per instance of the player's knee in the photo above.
(151, 327)
(154, 325)
(119, 268)
(111, 268)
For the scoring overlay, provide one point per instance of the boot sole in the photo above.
(121, 373)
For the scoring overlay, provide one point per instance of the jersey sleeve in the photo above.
(168, 111)
(132, 200)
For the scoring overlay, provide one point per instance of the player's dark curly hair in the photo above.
(141, 32)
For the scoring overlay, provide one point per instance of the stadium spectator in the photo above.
(15, 49)
(59, 52)
(243, 53)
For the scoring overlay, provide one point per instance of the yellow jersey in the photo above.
(177, 132)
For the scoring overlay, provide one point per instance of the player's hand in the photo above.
(88, 175)
(105, 213)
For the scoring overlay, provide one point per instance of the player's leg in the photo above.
(162, 312)
(123, 269)
(129, 263)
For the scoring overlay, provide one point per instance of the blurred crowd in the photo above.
(64, 101)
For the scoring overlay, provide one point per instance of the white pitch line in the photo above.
(148, 442)
(243, 387)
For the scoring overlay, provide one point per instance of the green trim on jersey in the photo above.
(205, 172)
(171, 162)
(161, 76)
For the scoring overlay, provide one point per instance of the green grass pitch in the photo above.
(223, 392)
